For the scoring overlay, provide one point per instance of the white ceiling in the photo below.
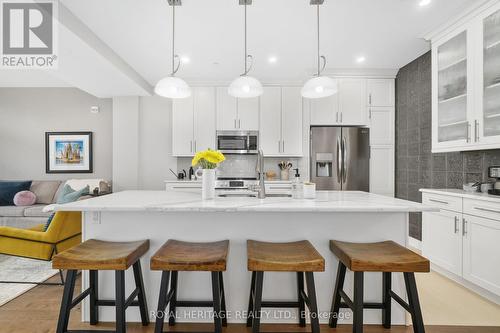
(387, 32)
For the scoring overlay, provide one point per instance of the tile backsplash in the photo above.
(416, 166)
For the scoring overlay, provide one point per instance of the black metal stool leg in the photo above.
(259, 280)
(173, 301)
(357, 326)
(302, 304)
(67, 299)
(94, 296)
(386, 299)
(217, 302)
(339, 285)
(313, 306)
(141, 297)
(250, 301)
(223, 300)
(162, 301)
(416, 313)
(121, 324)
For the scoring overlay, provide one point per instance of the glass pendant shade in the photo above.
(318, 87)
(172, 87)
(245, 87)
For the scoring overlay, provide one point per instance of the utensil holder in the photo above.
(285, 174)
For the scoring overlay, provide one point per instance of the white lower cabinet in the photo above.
(463, 238)
(443, 239)
(481, 247)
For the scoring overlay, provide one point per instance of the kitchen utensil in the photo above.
(175, 174)
(180, 176)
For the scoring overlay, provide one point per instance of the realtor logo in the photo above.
(28, 34)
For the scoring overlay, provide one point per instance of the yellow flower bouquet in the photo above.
(208, 159)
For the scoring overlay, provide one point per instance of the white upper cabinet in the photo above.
(193, 122)
(227, 110)
(347, 107)
(489, 125)
(291, 114)
(352, 108)
(236, 113)
(270, 125)
(380, 92)
(325, 111)
(381, 125)
(182, 127)
(281, 121)
(204, 118)
(248, 114)
(466, 85)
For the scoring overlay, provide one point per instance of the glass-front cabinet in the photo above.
(452, 123)
(491, 78)
(466, 84)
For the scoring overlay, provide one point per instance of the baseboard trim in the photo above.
(415, 243)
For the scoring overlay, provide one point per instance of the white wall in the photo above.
(142, 142)
(27, 113)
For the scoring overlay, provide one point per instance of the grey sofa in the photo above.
(47, 192)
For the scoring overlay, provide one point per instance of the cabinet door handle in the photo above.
(279, 146)
(239, 123)
(476, 130)
(235, 123)
(464, 227)
(283, 143)
(468, 132)
(456, 224)
(370, 99)
(488, 210)
(370, 113)
(341, 116)
(337, 117)
(194, 146)
(439, 201)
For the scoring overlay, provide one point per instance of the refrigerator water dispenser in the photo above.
(324, 164)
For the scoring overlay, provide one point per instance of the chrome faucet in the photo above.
(259, 168)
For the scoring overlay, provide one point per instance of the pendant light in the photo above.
(246, 86)
(319, 86)
(172, 86)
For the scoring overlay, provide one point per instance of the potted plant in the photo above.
(208, 160)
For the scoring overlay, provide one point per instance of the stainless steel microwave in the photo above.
(238, 142)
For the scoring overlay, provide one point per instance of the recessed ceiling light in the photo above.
(424, 3)
(272, 59)
(185, 60)
(360, 59)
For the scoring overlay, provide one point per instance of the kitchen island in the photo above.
(161, 215)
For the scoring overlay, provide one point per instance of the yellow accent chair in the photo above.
(63, 233)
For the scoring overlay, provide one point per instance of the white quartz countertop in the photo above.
(463, 194)
(178, 201)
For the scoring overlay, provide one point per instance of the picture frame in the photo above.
(68, 152)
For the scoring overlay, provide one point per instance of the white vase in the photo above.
(208, 184)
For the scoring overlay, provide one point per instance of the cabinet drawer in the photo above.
(490, 210)
(443, 201)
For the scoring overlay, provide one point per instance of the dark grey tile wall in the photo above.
(416, 166)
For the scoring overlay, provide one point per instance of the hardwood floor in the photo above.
(37, 310)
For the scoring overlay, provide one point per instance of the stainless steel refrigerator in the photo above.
(340, 158)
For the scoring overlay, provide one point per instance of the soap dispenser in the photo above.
(297, 186)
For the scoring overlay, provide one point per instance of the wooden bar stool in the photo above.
(386, 257)
(175, 256)
(95, 255)
(300, 257)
